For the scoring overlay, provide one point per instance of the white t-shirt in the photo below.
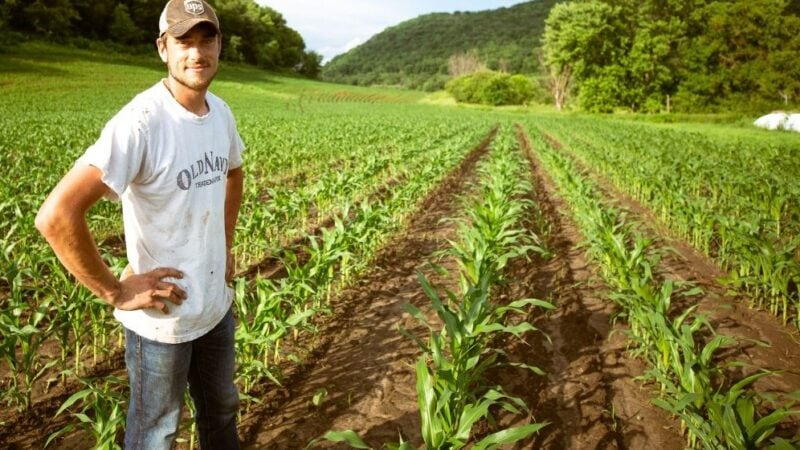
(169, 168)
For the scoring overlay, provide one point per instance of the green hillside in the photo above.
(415, 53)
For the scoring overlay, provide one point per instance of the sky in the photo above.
(336, 26)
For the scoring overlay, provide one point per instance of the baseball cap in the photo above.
(179, 16)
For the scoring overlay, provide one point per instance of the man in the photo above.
(173, 157)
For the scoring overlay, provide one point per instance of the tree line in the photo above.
(253, 34)
(662, 55)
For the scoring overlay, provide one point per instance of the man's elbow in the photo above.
(48, 221)
(43, 221)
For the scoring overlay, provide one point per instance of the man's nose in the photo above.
(194, 52)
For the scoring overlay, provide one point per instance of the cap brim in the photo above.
(181, 28)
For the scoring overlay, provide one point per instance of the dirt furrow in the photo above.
(589, 393)
(366, 369)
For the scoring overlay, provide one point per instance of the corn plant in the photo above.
(450, 392)
(733, 418)
(100, 410)
(258, 331)
(274, 310)
(23, 336)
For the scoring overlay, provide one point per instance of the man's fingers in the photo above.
(164, 272)
(168, 294)
(172, 288)
(161, 306)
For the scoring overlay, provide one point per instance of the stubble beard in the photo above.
(195, 85)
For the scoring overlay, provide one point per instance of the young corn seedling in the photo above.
(450, 393)
(100, 411)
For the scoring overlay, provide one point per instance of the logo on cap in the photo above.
(193, 7)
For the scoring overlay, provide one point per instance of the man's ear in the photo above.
(161, 44)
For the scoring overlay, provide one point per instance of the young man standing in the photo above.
(173, 157)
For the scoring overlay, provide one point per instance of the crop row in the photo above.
(736, 201)
(715, 413)
(271, 310)
(453, 392)
(300, 188)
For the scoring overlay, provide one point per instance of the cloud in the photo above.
(330, 50)
(352, 43)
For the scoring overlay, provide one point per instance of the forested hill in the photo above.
(415, 53)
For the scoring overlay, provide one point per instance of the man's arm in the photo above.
(62, 221)
(233, 200)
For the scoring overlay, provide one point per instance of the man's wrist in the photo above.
(113, 295)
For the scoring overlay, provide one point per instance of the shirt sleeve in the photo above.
(237, 145)
(119, 152)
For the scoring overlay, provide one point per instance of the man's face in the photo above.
(192, 59)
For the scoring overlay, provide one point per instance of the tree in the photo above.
(310, 65)
(579, 39)
(491, 88)
(558, 81)
(744, 56)
(465, 63)
(6, 9)
(51, 18)
(602, 91)
(145, 14)
(122, 28)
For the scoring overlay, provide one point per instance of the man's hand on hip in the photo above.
(149, 291)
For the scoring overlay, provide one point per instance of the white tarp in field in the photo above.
(792, 123)
(772, 121)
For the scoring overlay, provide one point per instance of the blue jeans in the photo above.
(158, 374)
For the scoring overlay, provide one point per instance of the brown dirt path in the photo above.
(589, 393)
(367, 365)
(762, 340)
